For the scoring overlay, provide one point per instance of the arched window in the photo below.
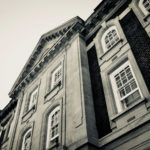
(110, 38)
(26, 143)
(53, 127)
(144, 5)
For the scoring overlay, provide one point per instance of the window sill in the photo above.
(28, 114)
(121, 40)
(128, 109)
(57, 146)
(53, 91)
(54, 143)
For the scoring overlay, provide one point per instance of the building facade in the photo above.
(86, 85)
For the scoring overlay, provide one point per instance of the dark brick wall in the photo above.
(139, 42)
(101, 115)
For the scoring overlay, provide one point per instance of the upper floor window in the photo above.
(26, 143)
(53, 127)
(125, 87)
(33, 98)
(110, 38)
(56, 76)
(144, 5)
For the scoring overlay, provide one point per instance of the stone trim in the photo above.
(76, 27)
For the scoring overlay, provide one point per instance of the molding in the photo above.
(23, 81)
(109, 138)
(142, 100)
(102, 14)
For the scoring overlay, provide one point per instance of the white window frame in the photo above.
(141, 6)
(116, 93)
(49, 138)
(104, 36)
(32, 99)
(53, 76)
(23, 141)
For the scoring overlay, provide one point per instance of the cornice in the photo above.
(59, 31)
(29, 72)
(8, 108)
(102, 13)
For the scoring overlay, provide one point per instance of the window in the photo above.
(26, 144)
(53, 127)
(144, 5)
(33, 98)
(125, 87)
(110, 38)
(56, 76)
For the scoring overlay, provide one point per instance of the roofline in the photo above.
(73, 20)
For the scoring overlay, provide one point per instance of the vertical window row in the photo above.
(123, 81)
(53, 126)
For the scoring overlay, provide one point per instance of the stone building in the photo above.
(86, 85)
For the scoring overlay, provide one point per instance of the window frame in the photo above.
(29, 131)
(32, 103)
(51, 140)
(115, 91)
(104, 45)
(143, 8)
(53, 83)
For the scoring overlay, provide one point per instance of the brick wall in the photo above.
(102, 120)
(139, 42)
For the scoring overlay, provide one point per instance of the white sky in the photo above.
(21, 25)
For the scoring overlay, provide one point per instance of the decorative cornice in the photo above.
(30, 71)
(8, 108)
(101, 12)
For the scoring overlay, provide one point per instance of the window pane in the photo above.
(128, 89)
(133, 85)
(132, 98)
(122, 93)
(111, 39)
(119, 84)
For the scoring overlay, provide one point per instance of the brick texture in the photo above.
(139, 42)
(102, 120)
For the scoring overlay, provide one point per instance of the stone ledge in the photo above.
(53, 92)
(120, 132)
(128, 109)
(28, 114)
